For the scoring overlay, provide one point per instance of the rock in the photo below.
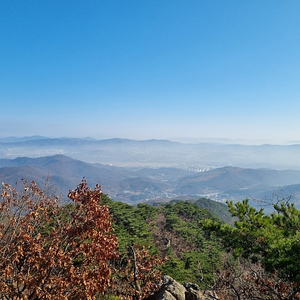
(170, 289)
(193, 291)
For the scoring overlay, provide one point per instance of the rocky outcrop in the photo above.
(193, 292)
(172, 290)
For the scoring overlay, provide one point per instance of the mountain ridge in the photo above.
(156, 153)
(136, 184)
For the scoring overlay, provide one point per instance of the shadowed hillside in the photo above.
(136, 184)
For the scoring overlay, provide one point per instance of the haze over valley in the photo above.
(155, 170)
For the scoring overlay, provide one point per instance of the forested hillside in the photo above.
(173, 231)
(74, 251)
(97, 248)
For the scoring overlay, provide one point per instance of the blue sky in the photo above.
(150, 69)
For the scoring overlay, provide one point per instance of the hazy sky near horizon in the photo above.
(150, 69)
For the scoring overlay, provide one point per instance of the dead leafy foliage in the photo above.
(45, 254)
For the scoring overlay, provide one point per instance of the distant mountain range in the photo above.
(155, 153)
(137, 184)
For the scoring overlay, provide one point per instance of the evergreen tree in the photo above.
(272, 240)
